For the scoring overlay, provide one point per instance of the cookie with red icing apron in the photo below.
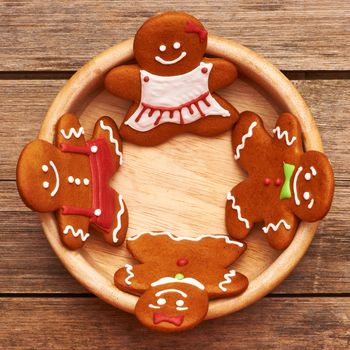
(180, 99)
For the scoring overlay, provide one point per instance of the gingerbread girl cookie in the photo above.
(177, 277)
(71, 179)
(172, 85)
(284, 183)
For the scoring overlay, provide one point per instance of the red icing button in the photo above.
(267, 181)
(182, 262)
(278, 181)
(204, 70)
(146, 79)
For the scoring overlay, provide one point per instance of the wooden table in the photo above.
(42, 44)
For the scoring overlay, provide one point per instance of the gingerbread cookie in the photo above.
(177, 277)
(284, 183)
(172, 85)
(71, 179)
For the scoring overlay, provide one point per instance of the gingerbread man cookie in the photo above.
(177, 277)
(172, 85)
(71, 178)
(284, 183)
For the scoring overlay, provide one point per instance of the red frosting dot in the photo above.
(146, 79)
(278, 181)
(182, 262)
(267, 181)
(204, 70)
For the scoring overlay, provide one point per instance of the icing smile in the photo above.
(46, 184)
(163, 61)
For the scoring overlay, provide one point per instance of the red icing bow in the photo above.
(175, 320)
(194, 28)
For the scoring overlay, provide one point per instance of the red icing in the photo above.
(103, 166)
(278, 181)
(204, 70)
(189, 105)
(182, 262)
(146, 79)
(175, 320)
(267, 181)
(192, 27)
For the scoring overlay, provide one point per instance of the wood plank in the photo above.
(56, 35)
(272, 323)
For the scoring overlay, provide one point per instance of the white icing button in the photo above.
(70, 179)
(180, 302)
(77, 181)
(45, 168)
(94, 149)
(161, 301)
(307, 176)
(162, 48)
(176, 45)
(97, 212)
(46, 184)
(86, 181)
(306, 195)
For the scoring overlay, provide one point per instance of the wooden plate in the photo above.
(181, 186)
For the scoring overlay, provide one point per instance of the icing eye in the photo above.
(70, 179)
(308, 176)
(176, 45)
(161, 301)
(162, 48)
(180, 302)
(46, 184)
(45, 168)
(306, 195)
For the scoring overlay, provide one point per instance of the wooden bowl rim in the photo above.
(253, 66)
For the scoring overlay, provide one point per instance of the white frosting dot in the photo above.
(176, 45)
(46, 184)
(86, 181)
(306, 195)
(307, 176)
(161, 301)
(94, 149)
(70, 179)
(77, 181)
(97, 212)
(45, 168)
(180, 302)
(162, 48)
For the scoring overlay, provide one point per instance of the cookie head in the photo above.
(169, 306)
(38, 178)
(313, 186)
(169, 44)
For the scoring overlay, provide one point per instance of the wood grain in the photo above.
(84, 323)
(51, 35)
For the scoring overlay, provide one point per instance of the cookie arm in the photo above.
(69, 131)
(124, 81)
(223, 73)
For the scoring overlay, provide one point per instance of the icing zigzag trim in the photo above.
(284, 134)
(119, 216)
(276, 227)
(227, 279)
(238, 210)
(77, 233)
(72, 132)
(113, 140)
(244, 138)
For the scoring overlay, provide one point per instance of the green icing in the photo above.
(288, 170)
(179, 276)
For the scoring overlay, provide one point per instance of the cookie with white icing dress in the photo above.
(172, 86)
(284, 183)
(71, 178)
(177, 276)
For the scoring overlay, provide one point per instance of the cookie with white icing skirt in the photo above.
(71, 178)
(177, 276)
(172, 86)
(284, 183)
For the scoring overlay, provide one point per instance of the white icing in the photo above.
(70, 179)
(77, 233)
(276, 227)
(194, 239)
(311, 204)
(313, 170)
(307, 176)
(161, 301)
(45, 168)
(119, 221)
(130, 274)
(171, 290)
(46, 184)
(57, 186)
(171, 92)
(284, 134)
(97, 212)
(86, 181)
(177, 59)
(113, 140)
(153, 306)
(94, 149)
(188, 280)
(227, 279)
(77, 181)
(306, 195)
(244, 138)
(295, 190)
(180, 302)
(176, 45)
(238, 210)
(72, 132)
(162, 48)
(182, 308)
